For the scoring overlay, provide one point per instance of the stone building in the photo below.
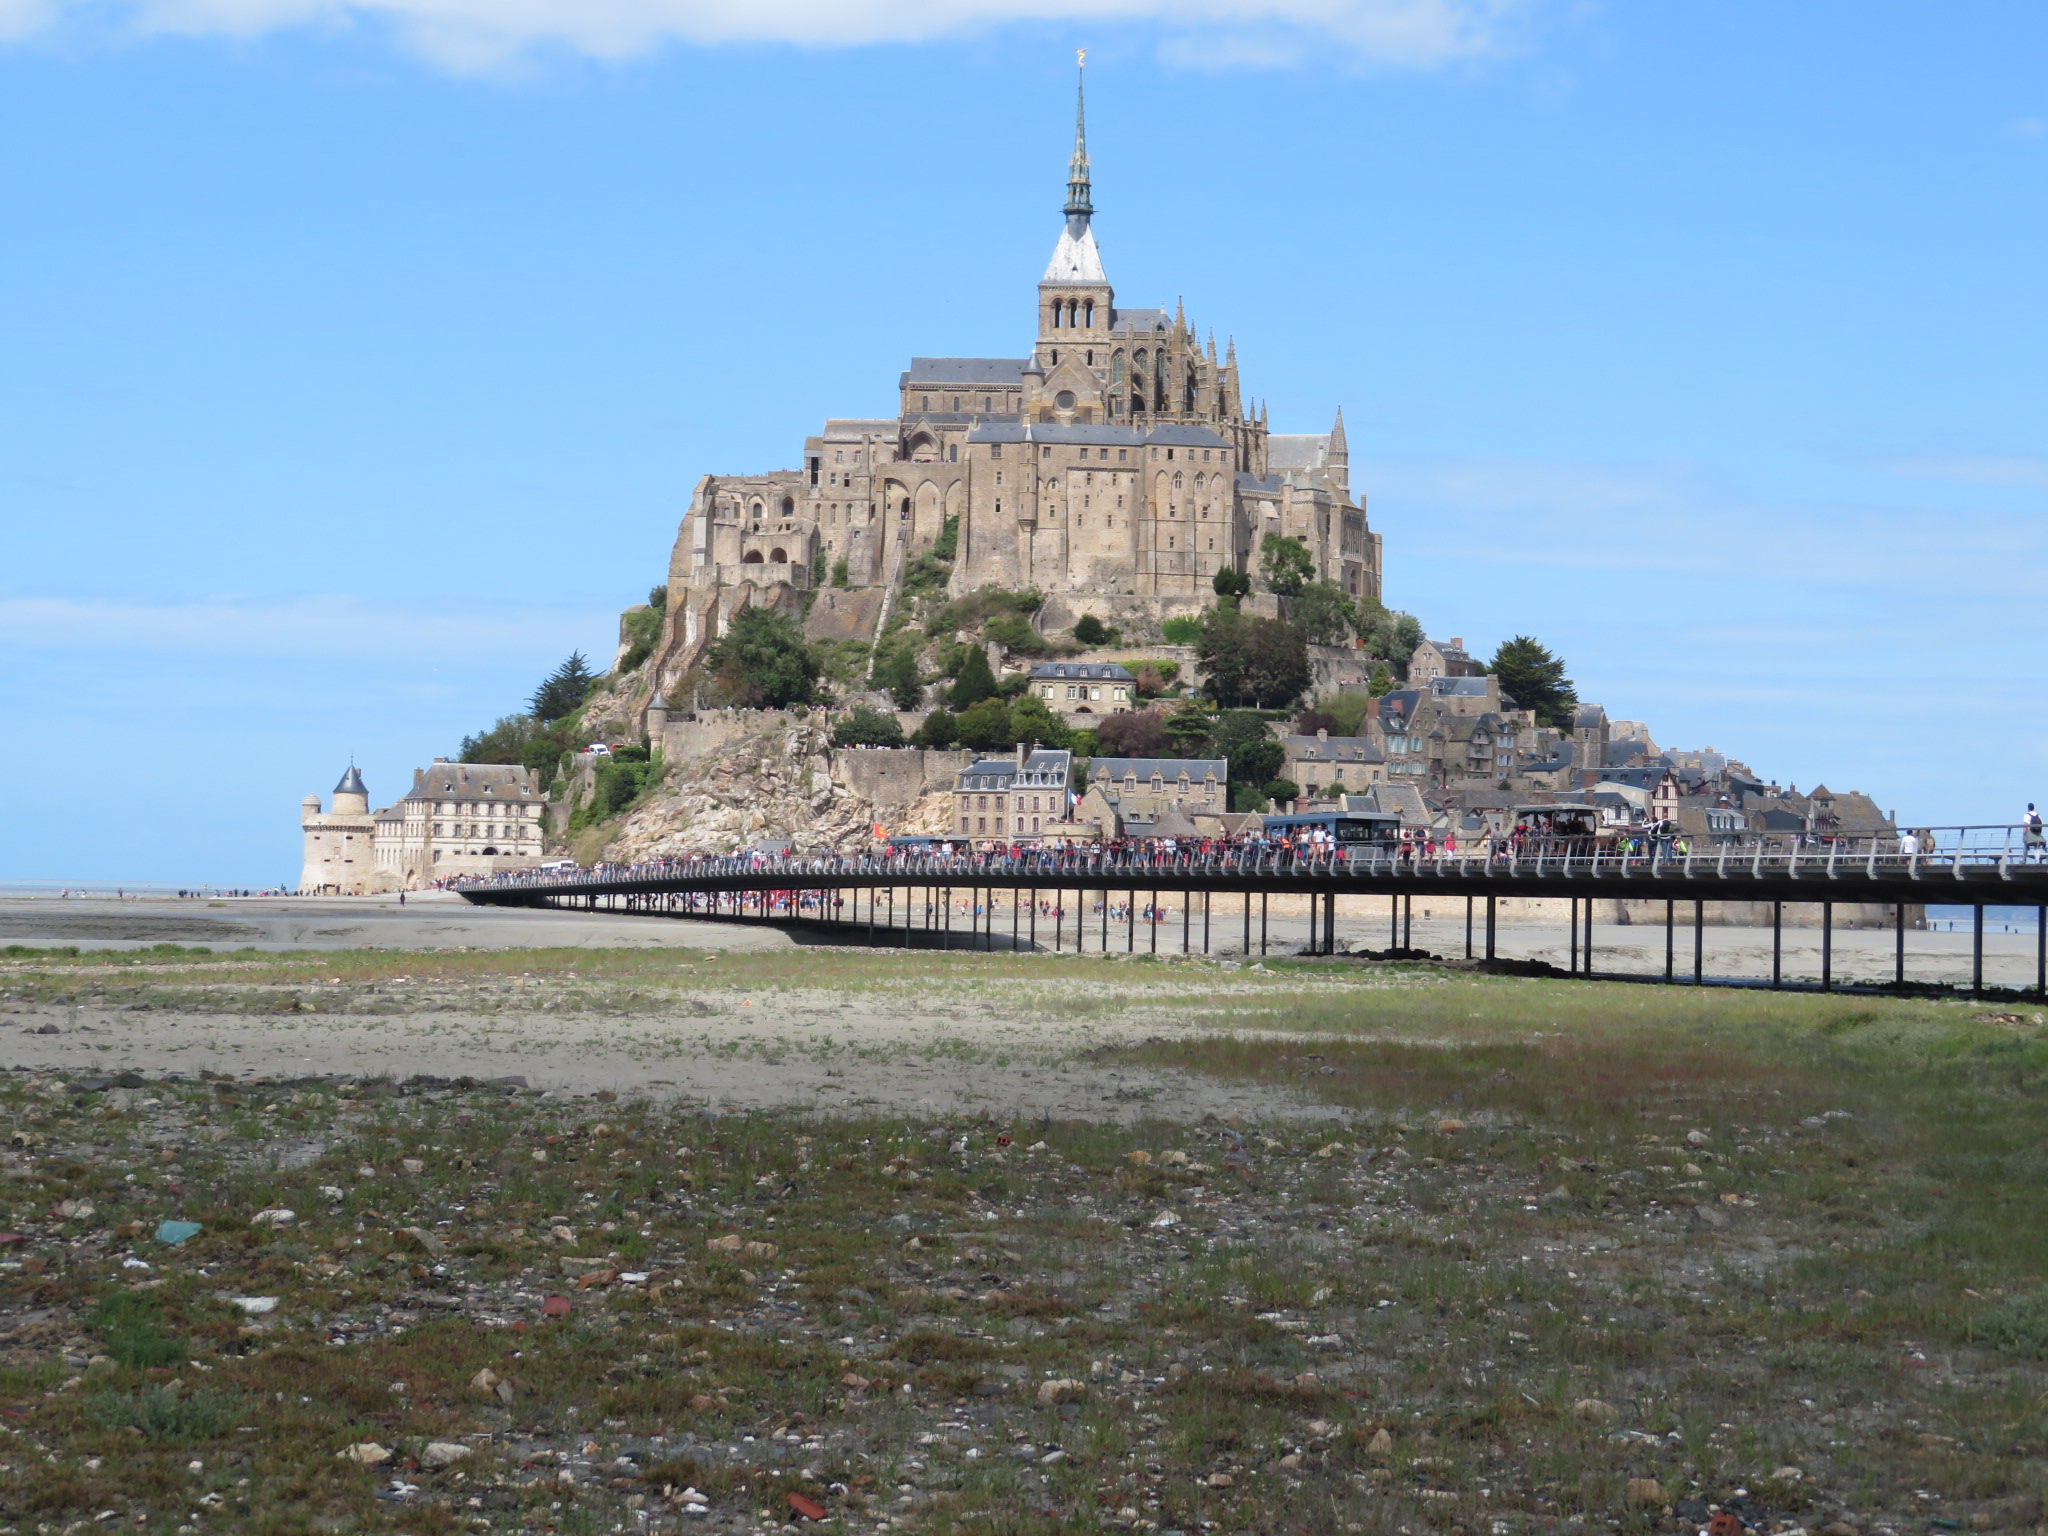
(458, 819)
(1119, 459)
(1083, 687)
(1012, 799)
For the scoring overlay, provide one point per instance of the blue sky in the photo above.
(359, 358)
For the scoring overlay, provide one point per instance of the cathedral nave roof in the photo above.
(965, 370)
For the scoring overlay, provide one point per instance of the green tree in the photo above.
(947, 544)
(1281, 789)
(866, 726)
(1089, 630)
(986, 726)
(642, 631)
(1285, 563)
(563, 690)
(1323, 613)
(1030, 720)
(897, 672)
(1261, 662)
(1013, 632)
(1382, 682)
(974, 681)
(841, 577)
(818, 568)
(1230, 584)
(657, 597)
(762, 661)
(1528, 671)
(939, 733)
(1242, 740)
(1182, 631)
(1190, 729)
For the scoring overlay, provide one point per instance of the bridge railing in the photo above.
(1926, 854)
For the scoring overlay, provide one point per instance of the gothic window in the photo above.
(789, 506)
(1091, 314)
(927, 399)
(952, 453)
(988, 403)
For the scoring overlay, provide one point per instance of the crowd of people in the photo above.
(1307, 848)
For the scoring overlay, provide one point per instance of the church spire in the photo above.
(1079, 206)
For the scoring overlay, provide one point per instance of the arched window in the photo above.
(789, 506)
(778, 557)
(952, 453)
(758, 510)
(1090, 322)
(751, 557)
(1159, 381)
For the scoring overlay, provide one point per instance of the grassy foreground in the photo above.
(1587, 1257)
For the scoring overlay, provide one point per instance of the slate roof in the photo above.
(1335, 749)
(1011, 430)
(1458, 687)
(1093, 671)
(965, 370)
(1297, 450)
(1053, 765)
(1102, 769)
(473, 781)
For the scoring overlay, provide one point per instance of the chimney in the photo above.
(1322, 733)
(1457, 643)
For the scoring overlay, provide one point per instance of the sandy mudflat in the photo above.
(428, 920)
(815, 1052)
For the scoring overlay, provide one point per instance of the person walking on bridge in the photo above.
(2035, 839)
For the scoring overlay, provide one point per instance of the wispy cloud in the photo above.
(2028, 127)
(1680, 519)
(486, 34)
(1974, 469)
(339, 629)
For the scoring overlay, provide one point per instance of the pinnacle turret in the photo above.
(1079, 205)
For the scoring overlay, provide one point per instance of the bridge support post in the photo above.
(1699, 943)
(1131, 925)
(1977, 950)
(1329, 922)
(2041, 954)
(1187, 913)
(1899, 944)
(1574, 965)
(1827, 946)
(1393, 920)
(1247, 924)
(1670, 939)
(1262, 923)
(1152, 922)
(1408, 920)
(1777, 944)
(1589, 936)
(1491, 926)
(1468, 927)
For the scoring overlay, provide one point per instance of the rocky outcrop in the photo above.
(782, 778)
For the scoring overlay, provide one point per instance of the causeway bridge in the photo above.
(1018, 898)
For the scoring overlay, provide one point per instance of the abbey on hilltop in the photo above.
(1119, 459)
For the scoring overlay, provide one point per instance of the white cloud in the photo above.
(481, 34)
(18, 18)
(339, 629)
(1681, 520)
(2028, 127)
(1975, 469)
